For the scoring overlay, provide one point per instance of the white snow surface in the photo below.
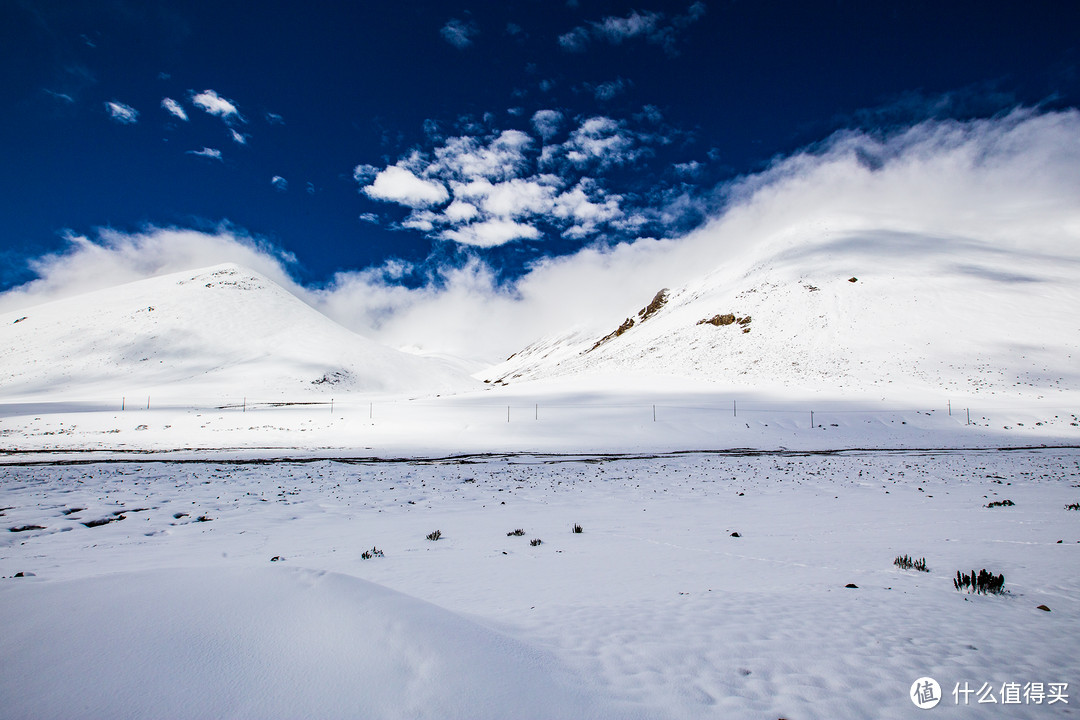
(163, 441)
(205, 335)
(177, 607)
(848, 312)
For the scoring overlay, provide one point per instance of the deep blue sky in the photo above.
(650, 108)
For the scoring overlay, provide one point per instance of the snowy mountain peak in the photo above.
(223, 330)
(874, 313)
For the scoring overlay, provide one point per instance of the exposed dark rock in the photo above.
(658, 301)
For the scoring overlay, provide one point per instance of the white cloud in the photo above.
(459, 33)
(121, 113)
(398, 184)
(608, 90)
(688, 169)
(206, 152)
(280, 184)
(274, 119)
(575, 40)
(211, 102)
(59, 96)
(491, 233)
(238, 138)
(469, 158)
(600, 140)
(174, 108)
(653, 27)
(547, 123)
(615, 29)
(502, 188)
(460, 211)
(578, 204)
(510, 199)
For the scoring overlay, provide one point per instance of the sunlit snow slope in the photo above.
(843, 311)
(221, 332)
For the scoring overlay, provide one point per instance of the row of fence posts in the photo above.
(536, 410)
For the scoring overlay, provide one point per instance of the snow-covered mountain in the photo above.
(869, 312)
(214, 333)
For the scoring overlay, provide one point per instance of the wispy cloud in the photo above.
(212, 103)
(60, 96)
(655, 28)
(238, 138)
(459, 33)
(174, 108)
(609, 90)
(280, 184)
(209, 153)
(121, 113)
(575, 40)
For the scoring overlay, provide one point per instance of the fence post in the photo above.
(811, 419)
(968, 416)
(950, 408)
(536, 411)
(734, 409)
(147, 402)
(370, 410)
(245, 403)
(123, 403)
(507, 413)
(654, 413)
(331, 407)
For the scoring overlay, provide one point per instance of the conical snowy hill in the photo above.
(203, 335)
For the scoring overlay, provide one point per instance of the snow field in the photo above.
(654, 610)
(556, 418)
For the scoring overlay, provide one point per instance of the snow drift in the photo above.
(269, 643)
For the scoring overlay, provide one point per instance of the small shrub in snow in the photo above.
(535, 541)
(1073, 506)
(375, 552)
(434, 535)
(985, 582)
(577, 528)
(515, 533)
(906, 563)
(1000, 503)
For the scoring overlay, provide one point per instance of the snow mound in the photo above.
(263, 643)
(221, 331)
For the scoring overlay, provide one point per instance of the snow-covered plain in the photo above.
(852, 363)
(177, 607)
